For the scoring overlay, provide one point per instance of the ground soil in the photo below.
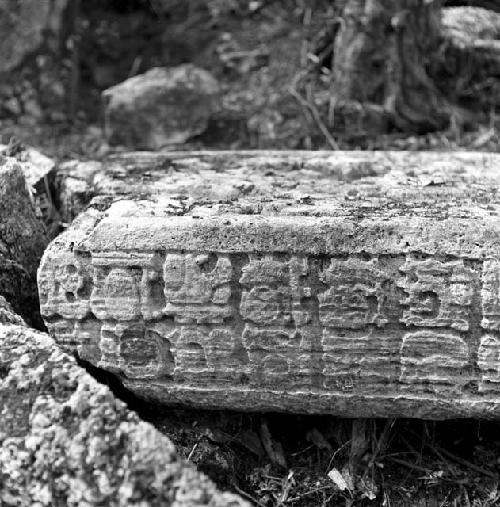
(269, 58)
(406, 462)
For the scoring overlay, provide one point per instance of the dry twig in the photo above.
(311, 112)
(466, 463)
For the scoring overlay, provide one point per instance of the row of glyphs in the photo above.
(350, 294)
(333, 323)
(425, 360)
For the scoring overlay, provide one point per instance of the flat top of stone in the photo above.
(450, 197)
(162, 79)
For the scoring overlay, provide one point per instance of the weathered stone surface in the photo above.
(468, 24)
(23, 26)
(36, 166)
(7, 315)
(160, 107)
(360, 284)
(39, 171)
(470, 66)
(66, 441)
(22, 241)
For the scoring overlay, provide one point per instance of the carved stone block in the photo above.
(347, 283)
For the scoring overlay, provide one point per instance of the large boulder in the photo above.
(23, 239)
(65, 440)
(24, 26)
(469, 68)
(361, 284)
(160, 107)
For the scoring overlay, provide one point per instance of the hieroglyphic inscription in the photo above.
(65, 286)
(277, 331)
(281, 321)
(355, 296)
(489, 364)
(197, 287)
(356, 301)
(430, 359)
(490, 295)
(439, 294)
(159, 312)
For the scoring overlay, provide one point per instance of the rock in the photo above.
(7, 315)
(470, 64)
(35, 165)
(65, 440)
(470, 23)
(160, 107)
(40, 172)
(24, 27)
(22, 241)
(361, 284)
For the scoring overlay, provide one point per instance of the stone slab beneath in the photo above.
(360, 284)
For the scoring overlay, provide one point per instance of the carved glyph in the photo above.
(65, 286)
(439, 294)
(429, 358)
(355, 296)
(488, 361)
(276, 318)
(490, 295)
(197, 287)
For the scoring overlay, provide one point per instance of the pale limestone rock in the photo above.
(65, 440)
(470, 64)
(469, 24)
(163, 106)
(357, 284)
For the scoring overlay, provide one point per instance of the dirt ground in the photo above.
(268, 58)
(277, 460)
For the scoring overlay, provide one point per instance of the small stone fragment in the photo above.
(163, 106)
